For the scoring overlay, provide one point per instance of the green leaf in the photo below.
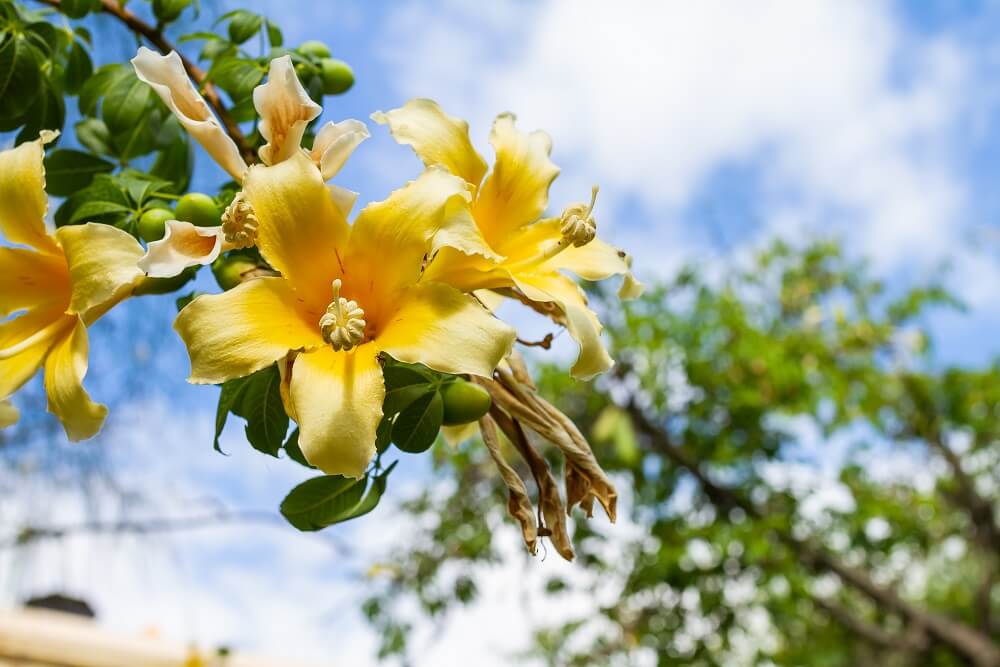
(294, 452)
(243, 25)
(274, 36)
(47, 113)
(383, 435)
(77, 9)
(94, 134)
(125, 104)
(196, 36)
(103, 80)
(371, 499)
(416, 427)
(175, 164)
(400, 375)
(397, 400)
(180, 302)
(90, 210)
(67, 171)
(79, 68)
(236, 76)
(20, 79)
(231, 391)
(261, 406)
(322, 501)
(167, 11)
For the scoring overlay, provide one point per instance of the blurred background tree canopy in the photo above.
(730, 391)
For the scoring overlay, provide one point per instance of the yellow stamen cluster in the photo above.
(577, 222)
(239, 223)
(343, 324)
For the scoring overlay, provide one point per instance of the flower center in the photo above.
(577, 222)
(343, 324)
(239, 223)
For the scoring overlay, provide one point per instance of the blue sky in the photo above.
(711, 128)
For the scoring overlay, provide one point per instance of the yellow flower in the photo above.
(345, 294)
(508, 208)
(62, 282)
(285, 109)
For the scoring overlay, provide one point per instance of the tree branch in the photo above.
(871, 632)
(966, 641)
(156, 37)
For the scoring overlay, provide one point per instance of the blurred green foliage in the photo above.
(741, 407)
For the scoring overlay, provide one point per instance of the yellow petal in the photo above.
(517, 190)
(411, 224)
(22, 196)
(300, 232)
(337, 399)
(241, 331)
(334, 144)
(466, 272)
(42, 323)
(596, 261)
(65, 368)
(343, 199)
(29, 279)
(8, 414)
(582, 323)
(285, 110)
(103, 263)
(436, 137)
(17, 370)
(167, 78)
(182, 245)
(451, 332)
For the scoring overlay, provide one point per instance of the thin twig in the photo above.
(156, 37)
(545, 343)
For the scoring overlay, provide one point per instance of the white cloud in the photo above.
(844, 114)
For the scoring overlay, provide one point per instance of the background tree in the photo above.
(730, 396)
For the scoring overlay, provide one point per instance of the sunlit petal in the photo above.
(343, 199)
(337, 400)
(65, 368)
(245, 329)
(582, 323)
(436, 137)
(334, 144)
(596, 261)
(17, 370)
(301, 232)
(166, 76)
(22, 196)
(517, 190)
(438, 326)
(103, 263)
(183, 245)
(285, 110)
(29, 279)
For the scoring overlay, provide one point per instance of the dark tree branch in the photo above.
(871, 632)
(966, 641)
(156, 37)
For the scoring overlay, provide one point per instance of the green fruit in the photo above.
(338, 77)
(165, 285)
(199, 209)
(464, 402)
(228, 271)
(153, 224)
(314, 49)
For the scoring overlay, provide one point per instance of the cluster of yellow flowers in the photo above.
(415, 276)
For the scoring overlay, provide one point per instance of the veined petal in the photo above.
(596, 261)
(300, 232)
(465, 272)
(517, 190)
(245, 329)
(169, 80)
(22, 196)
(103, 263)
(334, 144)
(411, 224)
(8, 414)
(17, 370)
(285, 109)
(29, 279)
(182, 245)
(440, 327)
(343, 199)
(436, 137)
(65, 368)
(337, 400)
(582, 323)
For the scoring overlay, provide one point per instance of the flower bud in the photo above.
(338, 77)
(314, 49)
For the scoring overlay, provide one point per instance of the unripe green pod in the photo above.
(228, 271)
(338, 77)
(464, 402)
(152, 224)
(314, 49)
(199, 209)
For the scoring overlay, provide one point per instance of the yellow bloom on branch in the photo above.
(54, 286)
(285, 109)
(508, 206)
(345, 295)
